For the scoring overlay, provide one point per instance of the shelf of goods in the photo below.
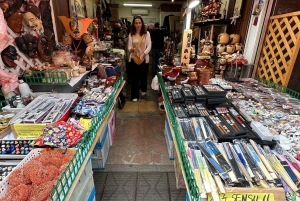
(191, 177)
(75, 181)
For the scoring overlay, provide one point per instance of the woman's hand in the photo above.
(142, 56)
(134, 49)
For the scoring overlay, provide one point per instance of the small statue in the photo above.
(88, 55)
(208, 47)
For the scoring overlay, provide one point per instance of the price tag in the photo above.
(28, 131)
(86, 123)
(244, 197)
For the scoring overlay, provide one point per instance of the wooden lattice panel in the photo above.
(280, 49)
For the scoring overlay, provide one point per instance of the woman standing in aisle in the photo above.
(139, 46)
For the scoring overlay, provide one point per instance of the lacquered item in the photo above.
(181, 80)
(204, 76)
(192, 76)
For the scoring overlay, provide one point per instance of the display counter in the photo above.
(192, 176)
(99, 123)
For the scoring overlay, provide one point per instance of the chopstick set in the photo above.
(239, 164)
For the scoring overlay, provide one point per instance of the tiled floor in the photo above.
(137, 186)
(138, 167)
(139, 139)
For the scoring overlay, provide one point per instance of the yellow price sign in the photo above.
(85, 122)
(244, 197)
(29, 131)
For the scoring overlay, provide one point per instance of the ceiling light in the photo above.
(193, 3)
(137, 5)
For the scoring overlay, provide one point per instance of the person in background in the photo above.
(128, 65)
(157, 37)
(139, 43)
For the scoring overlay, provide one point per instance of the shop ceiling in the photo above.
(156, 4)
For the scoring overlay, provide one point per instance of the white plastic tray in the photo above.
(72, 96)
(4, 183)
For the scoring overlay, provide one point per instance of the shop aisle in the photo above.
(138, 166)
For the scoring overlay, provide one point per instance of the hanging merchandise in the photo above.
(9, 81)
(257, 10)
(5, 39)
(8, 55)
(27, 44)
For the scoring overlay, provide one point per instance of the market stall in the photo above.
(206, 176)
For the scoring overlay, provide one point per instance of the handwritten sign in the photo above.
(244, 197)
(186, 46)
(28, 131)
(86, 123)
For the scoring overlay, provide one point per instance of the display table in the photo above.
(93, 144)
(191, 176)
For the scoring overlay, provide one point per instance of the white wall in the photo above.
(153, 15)
(255, 33)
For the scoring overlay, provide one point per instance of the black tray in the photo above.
(191, 110)
(179, 110)
(210, 93)
(187, 94)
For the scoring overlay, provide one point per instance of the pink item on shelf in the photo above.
(9, 81)
(5, 39)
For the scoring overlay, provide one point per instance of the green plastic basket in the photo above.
(66, 179)
(279, 87)
(48, 77)
(187, 169)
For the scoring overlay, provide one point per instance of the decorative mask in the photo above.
(14, 22)
(46, 18)
(45, 48)
(32, 21)
(8, 55)
(66, 40)
(9, 7)
(27, 44)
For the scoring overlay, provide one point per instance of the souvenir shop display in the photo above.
(230, 140)
(5, 170)
(40, 172)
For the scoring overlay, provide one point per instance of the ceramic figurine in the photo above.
(220, 49)
(88, 55)
(234, 38)
(230, 49)
(238, 46)
(208, 47)
(223, 38)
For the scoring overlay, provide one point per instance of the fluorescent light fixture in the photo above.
(193, 3)
(137, 5)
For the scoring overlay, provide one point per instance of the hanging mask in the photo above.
(27, 44)
(32, 16)
(8, 55)
(9, 7)
(14, 22)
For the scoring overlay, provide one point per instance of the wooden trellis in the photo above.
(280, 48)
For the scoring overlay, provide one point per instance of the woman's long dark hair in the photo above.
(133, 29)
